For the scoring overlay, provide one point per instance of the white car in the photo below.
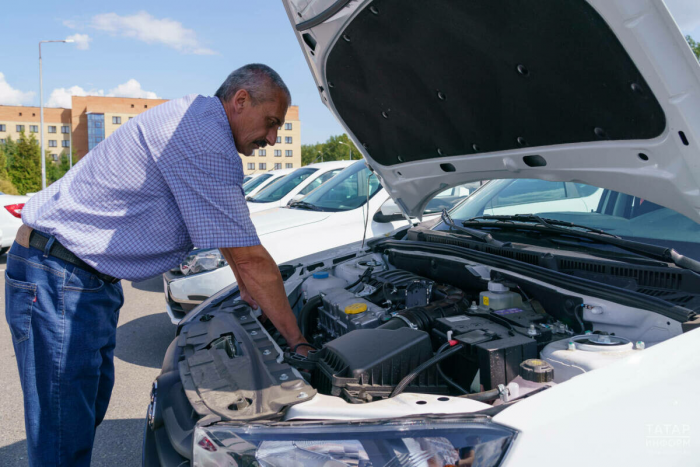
(10, 218)
(331, 216)
(564, 331)
(262, 180)
(295, 185)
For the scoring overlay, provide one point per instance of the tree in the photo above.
(694, 45)
(25, 169)
(7, 150)
(336, 148)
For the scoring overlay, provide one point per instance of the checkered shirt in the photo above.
(166, 181)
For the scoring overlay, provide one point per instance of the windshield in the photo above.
(624, 215)
(251, 185)
(279, 189)
(318, 181)
(346, 191)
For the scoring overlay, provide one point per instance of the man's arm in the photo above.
(260, 282)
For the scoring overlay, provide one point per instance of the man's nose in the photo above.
(271, 137)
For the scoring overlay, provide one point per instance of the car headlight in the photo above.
(202, 260)
(408, 442)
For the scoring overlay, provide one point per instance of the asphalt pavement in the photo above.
(143, 335)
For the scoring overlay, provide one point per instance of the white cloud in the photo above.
(11, 96)
(131, 88)
(82, 41)
(686, 13)
(146, 28)
(69, 23)
(61, 97)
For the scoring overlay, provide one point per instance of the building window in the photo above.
(116, 120)
(55, 157)
(96, 130)
(65, 143)
(132, 106)
(288, 166)
(287, 126)
(52, 129)
(20, 128)
(20, 114)
(251, 165)
(65, 129)
(262, 166)
(278, 153)
(288, 139)
(2, 141)
(145, 106)
(34, 128)
(53, 143)
(278, 166)
(279, 139)
(288, 153)
(130, 118)
(3, 128)
(262, 152)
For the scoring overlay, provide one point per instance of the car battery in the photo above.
(490, 348)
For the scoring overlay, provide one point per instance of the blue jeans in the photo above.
(64, 324)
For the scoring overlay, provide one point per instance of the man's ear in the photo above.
(240, 100)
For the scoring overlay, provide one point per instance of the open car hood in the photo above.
(440, 93)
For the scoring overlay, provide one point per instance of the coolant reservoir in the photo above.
(499, 297)
(319, 282)
(580, 354)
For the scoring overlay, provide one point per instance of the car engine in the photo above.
(371, 327)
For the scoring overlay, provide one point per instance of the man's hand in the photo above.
(260, 284)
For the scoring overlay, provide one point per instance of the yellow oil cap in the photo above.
(356, 308)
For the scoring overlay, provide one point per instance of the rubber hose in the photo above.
(447, 379)
(306, 314)
(485, 396)
(422, 367)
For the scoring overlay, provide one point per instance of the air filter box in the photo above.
(366, 364)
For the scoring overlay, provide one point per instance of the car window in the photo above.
(251, 185)
(318, 181)
(617, 213)
(348, 190)
(527, 192)
(280, 188)
(448, 198)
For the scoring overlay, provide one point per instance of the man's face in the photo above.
(255, 126)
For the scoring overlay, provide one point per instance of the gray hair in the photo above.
(257, 79)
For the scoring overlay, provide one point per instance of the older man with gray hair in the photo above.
(135, 206)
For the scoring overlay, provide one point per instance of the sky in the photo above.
(168, 49)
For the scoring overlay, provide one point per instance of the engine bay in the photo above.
(376, 329)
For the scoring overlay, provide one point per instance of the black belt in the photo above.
(38, 240)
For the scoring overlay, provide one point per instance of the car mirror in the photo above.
(390, 208)
(295, 198)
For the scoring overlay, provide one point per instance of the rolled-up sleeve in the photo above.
(212, 204)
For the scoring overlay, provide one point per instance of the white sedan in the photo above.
(261, 180)
(295, 185)
(10, 218)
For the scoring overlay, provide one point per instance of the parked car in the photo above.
(262, 180)
(10, 219)
(332, 215)
(563, 332)
(295, 185)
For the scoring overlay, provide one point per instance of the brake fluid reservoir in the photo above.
(499, 297)
(319, 282)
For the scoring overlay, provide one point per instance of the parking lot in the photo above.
(143, 335)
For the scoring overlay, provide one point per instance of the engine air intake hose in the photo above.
(307, 314)
(423, 317)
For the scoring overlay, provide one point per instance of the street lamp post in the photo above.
(41, 103)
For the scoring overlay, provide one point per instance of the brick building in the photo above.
(93, 118)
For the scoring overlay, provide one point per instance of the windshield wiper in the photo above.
(667, 255)
(304, 205)
(483, 236)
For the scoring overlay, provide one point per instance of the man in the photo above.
(166, 181)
